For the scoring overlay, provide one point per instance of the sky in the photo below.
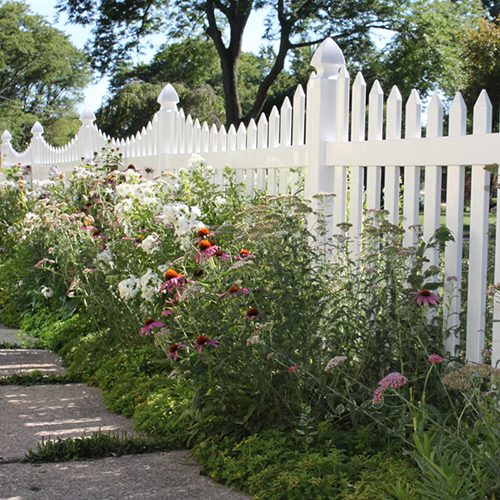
(94, 93)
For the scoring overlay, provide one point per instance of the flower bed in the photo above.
(217, 322)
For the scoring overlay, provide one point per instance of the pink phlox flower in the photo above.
(335, 362)
(292, 368)
(203, 341)
(426, 297)
(148, 324)
(435, 358)
(174, 350)
(234, 291)
(392, 381)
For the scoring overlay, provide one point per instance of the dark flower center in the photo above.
(203, 232)
(149, 321)
(170, 274)
(173, 347)
(425, 293)
(202, 340)
(233, 289)
(244, 253)
(204, 245)
(253, 311)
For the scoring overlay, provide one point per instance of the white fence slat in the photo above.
(375, 121)
(197, 136)
(357, 172)
(214, 138)
(181, 127)
(343, 85)
(274, 128)
(455, 183)
(478, 242)
(188, 135)
(262, 132)
(252, 135)
(205, 138)
(433, 180)
(222, 139)
(411, 193)
(241, 142)
(299, 116)
(392, 174)
(286, 123)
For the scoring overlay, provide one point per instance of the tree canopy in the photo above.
(42, 76)
(120, 25)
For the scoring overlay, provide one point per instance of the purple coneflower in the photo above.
(234, 291)
(292, 368)
(148, 324)
(252, 313)
(173, 281)
(244, 254)
(203, 341)
(426, 297)
(207, 250)
(174, 350)
(222, 256)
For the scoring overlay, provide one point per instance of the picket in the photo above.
(331, 142)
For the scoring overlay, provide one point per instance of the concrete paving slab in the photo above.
(23, 361)
(14, 336)
(154, 476)
(29, 414)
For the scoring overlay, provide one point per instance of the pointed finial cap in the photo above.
(37, 129)
(6, 137)
(168, 97)
(328, 59)
(87, 116)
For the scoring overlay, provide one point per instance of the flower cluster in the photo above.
(392, 381)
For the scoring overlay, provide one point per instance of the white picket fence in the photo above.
(332, 140)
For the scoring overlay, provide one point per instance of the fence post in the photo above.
(166, 138)
(36, 150)
(85, 135)
(6, 147)
(321, 123)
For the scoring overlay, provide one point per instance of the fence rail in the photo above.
(338, 141)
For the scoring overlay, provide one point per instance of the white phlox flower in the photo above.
(150, 285)
(129, 288)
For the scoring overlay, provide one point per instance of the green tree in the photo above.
(481, 64)
(119, 25)
(42, 76)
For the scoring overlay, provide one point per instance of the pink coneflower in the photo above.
(252, 313)
(168, 312)
(203, 341)
(234, 291)
(222, 256)
(207, 250)
(292, 368)
(203, 233)
(173, 281)
(244, 254)
(392, 381)
(435, 358)
(148, 324)
(426, 297)
(174, 350)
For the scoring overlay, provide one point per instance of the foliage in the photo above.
(481, 70)
(219, 322)
(97, 445)
(42, 76)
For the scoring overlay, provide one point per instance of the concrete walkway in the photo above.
(30, 413)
